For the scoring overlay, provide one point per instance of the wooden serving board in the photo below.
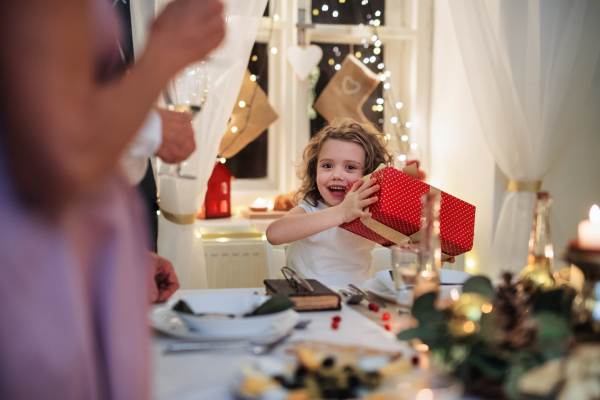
(269, 214)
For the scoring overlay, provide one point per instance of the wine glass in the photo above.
(187, 92)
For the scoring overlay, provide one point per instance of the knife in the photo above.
(371, 297)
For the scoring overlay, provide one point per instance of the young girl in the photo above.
(341, 153)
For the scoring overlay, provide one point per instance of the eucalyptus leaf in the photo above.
(424, 307)
(480, 285)
(558, 301)
(491, 366)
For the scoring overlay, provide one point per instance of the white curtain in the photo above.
(529, 64)
(182, 244)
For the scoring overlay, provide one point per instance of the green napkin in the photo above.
(277, 302)
(182, 306)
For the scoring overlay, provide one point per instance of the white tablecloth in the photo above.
(208, 374)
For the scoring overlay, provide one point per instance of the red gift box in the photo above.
(399, 209)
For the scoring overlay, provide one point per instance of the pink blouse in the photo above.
(73, 290)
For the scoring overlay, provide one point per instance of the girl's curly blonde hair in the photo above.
(348, 130)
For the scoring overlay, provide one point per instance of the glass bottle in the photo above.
(540, 262)
(430, 252)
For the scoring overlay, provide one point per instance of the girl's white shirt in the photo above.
(335, 257)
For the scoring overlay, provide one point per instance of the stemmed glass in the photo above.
(187, 92)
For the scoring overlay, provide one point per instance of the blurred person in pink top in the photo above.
(75, 276)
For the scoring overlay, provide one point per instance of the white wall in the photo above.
(463, 165)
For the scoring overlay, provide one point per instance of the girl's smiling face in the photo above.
(339, 163)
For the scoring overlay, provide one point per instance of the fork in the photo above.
(255, 348)
(352, 298)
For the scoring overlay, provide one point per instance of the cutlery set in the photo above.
(355, 296)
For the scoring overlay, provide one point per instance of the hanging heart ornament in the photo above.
(303, 59)
(350, 86)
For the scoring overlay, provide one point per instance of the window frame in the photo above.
(408, 51)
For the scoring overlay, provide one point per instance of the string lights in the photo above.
(400, 129)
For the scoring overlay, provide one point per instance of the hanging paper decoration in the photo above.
(347, 91)
(304, 59)
(251, 115)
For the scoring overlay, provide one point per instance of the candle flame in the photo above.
(595, 214)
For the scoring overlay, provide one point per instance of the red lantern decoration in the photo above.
(217, 203)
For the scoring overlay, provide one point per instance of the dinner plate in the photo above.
(376, 286)
(447, 276)
(168, 322)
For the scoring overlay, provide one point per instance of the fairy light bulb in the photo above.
(254, 57)
(366, 60)
(408, 124)
(334, 13)
(325, 7)
(394, 120)
(358, 54)
(377, 13)
(373, 59)
(380, 66)
(273, 50)
(253, 78)
(376, 22)
(242, 104)
(223, 159)
(315, 12)
(402, 157)
(276, 17)
(399, 105)
(386, 86)
(234, 129)
(380, 101)
(380, 108)
(331, 61)
(382, 77)
(337, 67)
(413, 146)
(376, 50)
(373, 38)
(378, 43)
(404, 138)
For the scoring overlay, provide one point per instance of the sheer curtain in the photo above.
(529, 64)
(180, 242)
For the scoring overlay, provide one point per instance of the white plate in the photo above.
(376, 286)
(167, 321)
(446, 276)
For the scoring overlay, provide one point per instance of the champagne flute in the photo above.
(187, 92)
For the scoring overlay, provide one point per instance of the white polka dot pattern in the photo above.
(400, 208)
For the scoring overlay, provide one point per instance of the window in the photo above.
(403, 28)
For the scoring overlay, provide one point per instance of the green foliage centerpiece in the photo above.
(490, 337)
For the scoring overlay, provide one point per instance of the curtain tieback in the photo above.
(181, 219)
(524, 186)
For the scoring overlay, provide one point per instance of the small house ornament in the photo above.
(217, 203)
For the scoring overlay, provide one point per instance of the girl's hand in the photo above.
(357, 199)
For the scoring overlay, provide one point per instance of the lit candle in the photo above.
(259, 204)
(589, 231)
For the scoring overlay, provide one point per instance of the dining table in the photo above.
(210, 374)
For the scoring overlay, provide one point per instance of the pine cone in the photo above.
(512, 308)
